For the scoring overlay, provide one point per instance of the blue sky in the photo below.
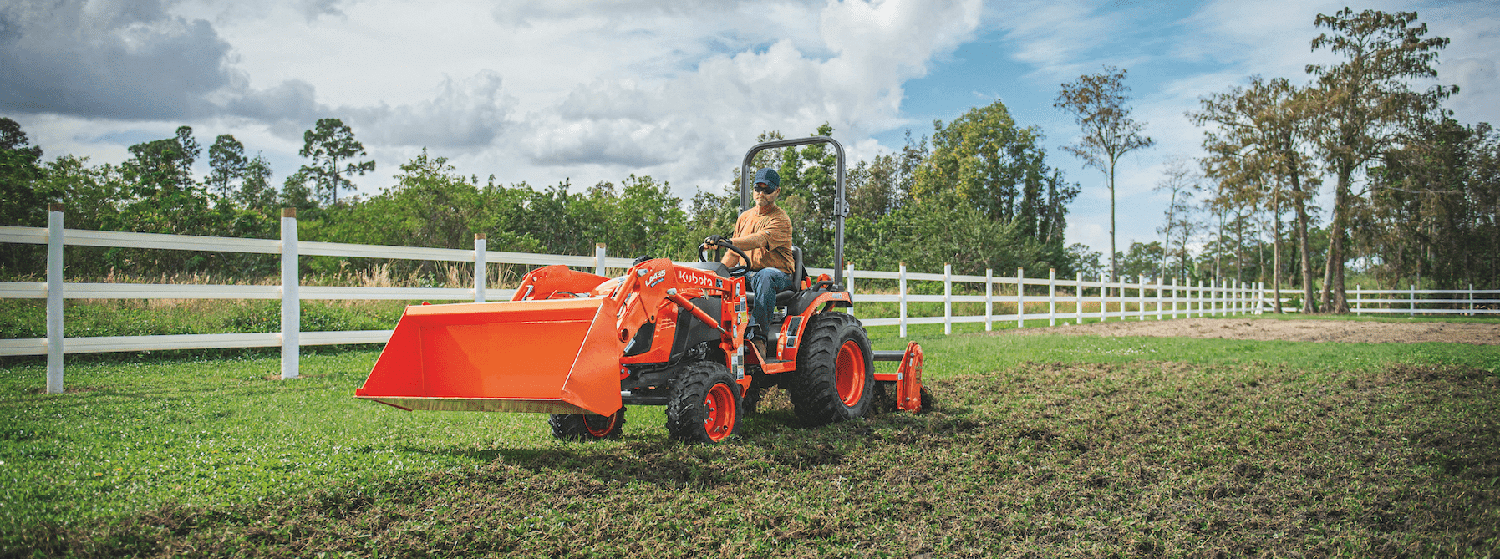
(546, 91)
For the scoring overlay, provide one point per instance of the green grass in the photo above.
(27, 318)
(978, 354)
(1042, 445)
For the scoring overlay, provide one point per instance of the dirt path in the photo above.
(1289, 330)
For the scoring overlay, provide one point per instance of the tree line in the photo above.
(976, 193)
(1416, 194)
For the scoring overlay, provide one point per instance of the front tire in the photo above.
(580, 427)
(705, 406)
(835, 378)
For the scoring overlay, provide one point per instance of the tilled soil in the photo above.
(1287, 330)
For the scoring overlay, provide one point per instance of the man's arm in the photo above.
(731, 259)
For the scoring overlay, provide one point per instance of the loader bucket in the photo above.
(552, 356)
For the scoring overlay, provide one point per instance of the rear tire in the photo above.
(705, 406)
(581, 427)
(835, 378)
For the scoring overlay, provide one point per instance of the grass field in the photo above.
(1045, 445)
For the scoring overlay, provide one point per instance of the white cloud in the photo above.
(462, 115)
(693, 125)
(1056, 38)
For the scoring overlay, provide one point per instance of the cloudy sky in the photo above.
(551, 90)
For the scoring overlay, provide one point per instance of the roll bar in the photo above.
(840, 205)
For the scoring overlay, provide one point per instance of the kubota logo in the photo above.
(687, 278)
(656, 278)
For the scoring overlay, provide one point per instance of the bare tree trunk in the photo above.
(1239, 247)
(1219, 247)
(1334, 300)
(1166, 247)
(1304, 248)
(1114, 268)
(1276, 249)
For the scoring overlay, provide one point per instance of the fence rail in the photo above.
(1064, 300)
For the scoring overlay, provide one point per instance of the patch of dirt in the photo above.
(1287, 330)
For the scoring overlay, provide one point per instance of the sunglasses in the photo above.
(761, 187)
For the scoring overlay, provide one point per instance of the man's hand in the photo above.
(713, 240)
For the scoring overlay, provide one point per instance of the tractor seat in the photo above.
(787, 296)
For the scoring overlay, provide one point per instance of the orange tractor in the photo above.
(581, 347)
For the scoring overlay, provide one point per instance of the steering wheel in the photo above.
(705, 254)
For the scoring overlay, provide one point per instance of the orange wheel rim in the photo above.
(600, 425)
(719, 412)
(849, 373)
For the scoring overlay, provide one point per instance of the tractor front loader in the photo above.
(581, 347)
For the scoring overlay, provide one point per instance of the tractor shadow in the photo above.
(771, 442)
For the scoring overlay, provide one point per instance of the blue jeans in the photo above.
(766, 283)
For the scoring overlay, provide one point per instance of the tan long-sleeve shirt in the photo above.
(765, 238)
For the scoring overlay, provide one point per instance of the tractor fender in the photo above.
(796, 323)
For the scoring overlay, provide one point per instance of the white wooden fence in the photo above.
(55, 290)
(1405, 301)
(1073, 300)
(1066, 300)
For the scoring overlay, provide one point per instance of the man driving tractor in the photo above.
(764, 232)
(581, 347)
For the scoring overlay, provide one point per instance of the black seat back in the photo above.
(786, 297)
(799, 273)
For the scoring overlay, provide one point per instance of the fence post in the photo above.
(480, 268)
(1140, 297)
(1174, 297)
(291, 303)
(1259, 299)
(1052, 296)
(1220, 303)
(902, 268)
(1195, 299)
(1358, 305)
(1020, 297)
(1213, 297)
(1203, 299)
(1160, 297)
(1231, 305)
(1078, 298)
(599, 254)
(848, 273)
(989, 298)
(55, 299)
(1471, 298)
(1195, 293)
(1412, 295)
(1103, 298)
(1187, 299)
(947, 298)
